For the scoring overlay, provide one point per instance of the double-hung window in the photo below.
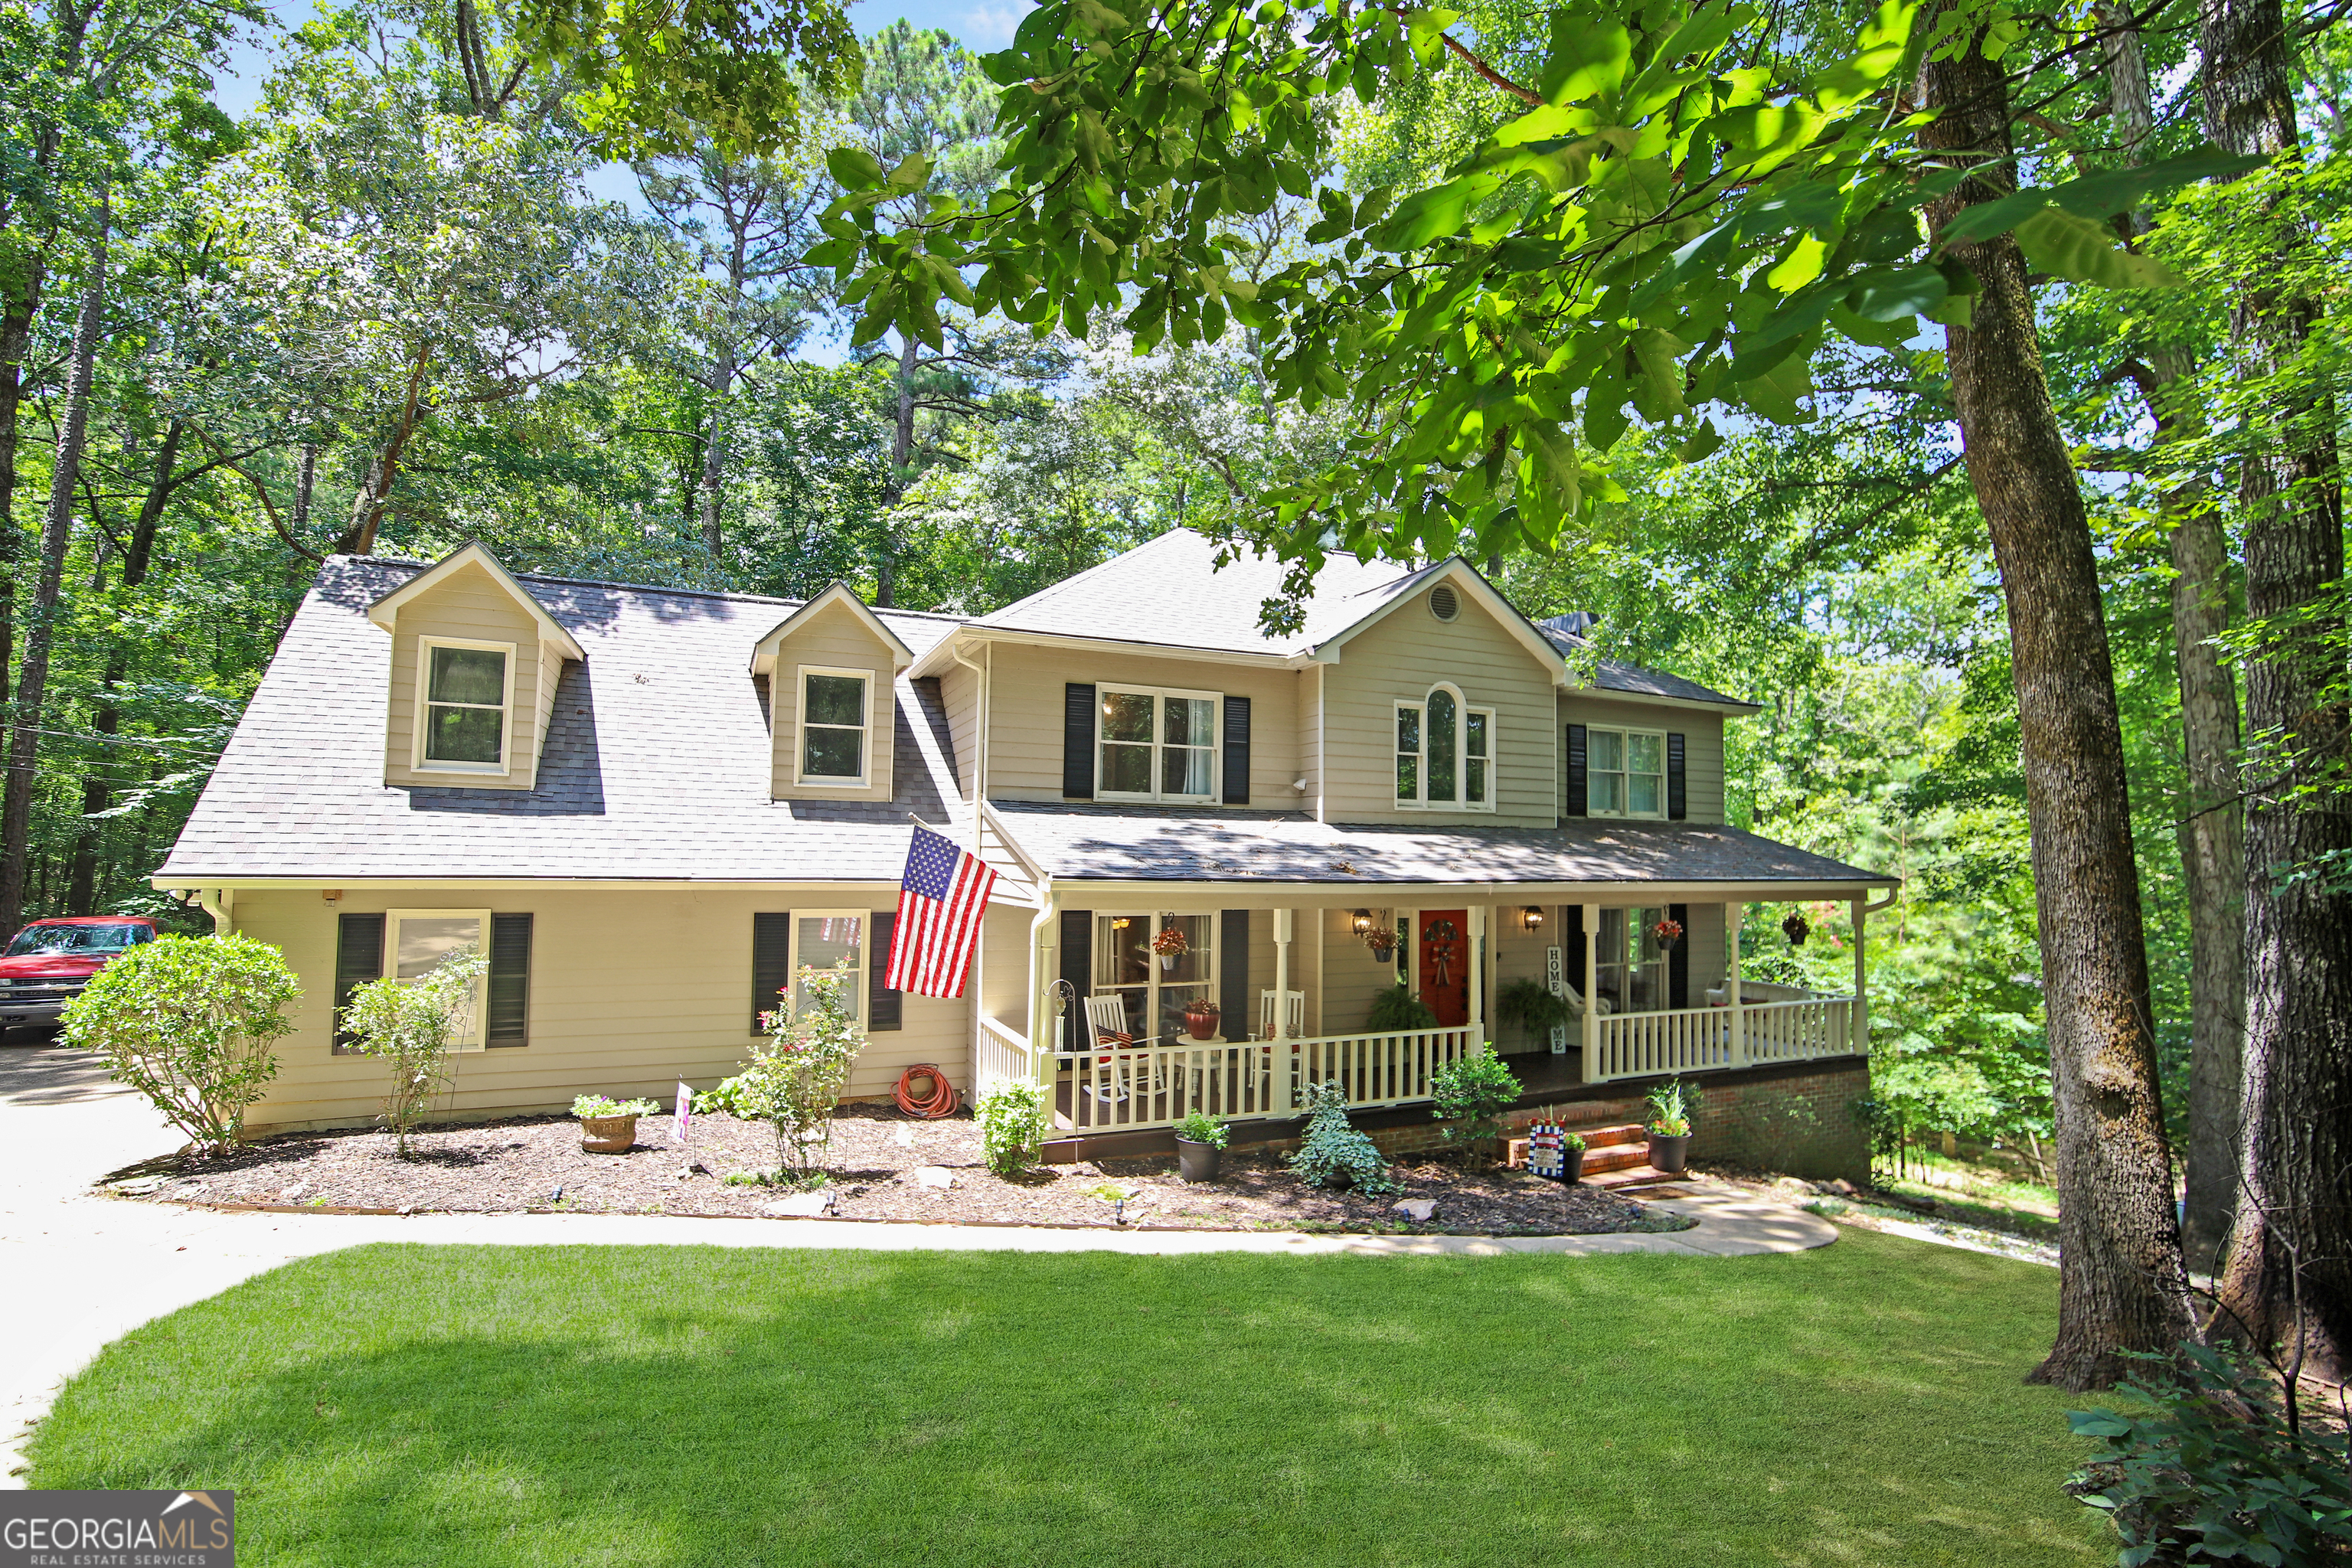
(1629, 966)
(832, 939)
(1155, 988)
(416, 941)
(1626, 772)
(1445, 752)
(836, 716)
(1156, 744)
(469, 687)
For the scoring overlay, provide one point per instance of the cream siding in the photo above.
(1025, 706)
(1398, 659)
(1702, 733)
(959, 694)
(832, 638)
(630, 993)
(470, 606)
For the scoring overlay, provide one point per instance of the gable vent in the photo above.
(1444, 603)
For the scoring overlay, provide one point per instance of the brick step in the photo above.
(1627, 1177)
(1598, 1162)
(1615, 1136)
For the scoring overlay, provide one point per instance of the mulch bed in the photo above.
(536, 1164)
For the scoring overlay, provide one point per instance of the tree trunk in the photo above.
(2212, 832)
(714, 450)
(15, 333)
(96, 792)
(2121, 1287)
(902, 463)
(304, 485)
(56, 531)
(2295, 1198)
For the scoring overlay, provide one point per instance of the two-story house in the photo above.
(655, 808)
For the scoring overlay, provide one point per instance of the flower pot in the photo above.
(1671, 1155)
(607, 1134)
(1167, 964)
(1200, 1025)
(1197, 1161)
(1571, 1166)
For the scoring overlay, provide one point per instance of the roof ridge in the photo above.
(659, 588)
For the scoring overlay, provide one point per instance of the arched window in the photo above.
(1445, 752)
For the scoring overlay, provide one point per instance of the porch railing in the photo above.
(1124, 1087)
(1702, 1039)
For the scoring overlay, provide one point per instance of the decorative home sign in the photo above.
(1556, 981)
(1547, 1150)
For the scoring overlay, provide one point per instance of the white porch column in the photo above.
(1858, 1040)
(1591, 994)
(1732, 912)
(1480, 919)
(1282, 934)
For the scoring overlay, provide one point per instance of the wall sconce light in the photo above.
(1363, 921)
(1532, 919)
(332, 895)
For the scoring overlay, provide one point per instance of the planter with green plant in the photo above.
(609, 1126)
(1532, 1006)
(1572, 1157)
(1670, 1127)
(1201, 1140)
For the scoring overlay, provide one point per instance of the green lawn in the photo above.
(1860, 1404)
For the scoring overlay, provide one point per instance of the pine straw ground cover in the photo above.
(675, 1407)
(516, 1166)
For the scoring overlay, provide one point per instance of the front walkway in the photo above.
(85, 1270)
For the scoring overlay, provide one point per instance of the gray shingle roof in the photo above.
(1126, 844)
(1616, 675)
(656, 765)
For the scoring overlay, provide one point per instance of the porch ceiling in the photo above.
(1090, 843)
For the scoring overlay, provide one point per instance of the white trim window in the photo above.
(1445, 752)
(1626, 772)
(1157, 988)
(836, 719)
(416, 940)
(1155, 744)
(467, 694)
(1631, 968)
(830, 938)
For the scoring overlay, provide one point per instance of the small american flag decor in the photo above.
(1547, 1152)
(941, 899)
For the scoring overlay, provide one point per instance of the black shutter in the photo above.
(1572, 961)
(772, 965)
(1078, 741)
(1677, 791)
(1233, 978)
(1078, 971)
(882, 1003)
(509, 1023)
(1237, 760)
(1576, 798)
(1678, 960)
(359, 958)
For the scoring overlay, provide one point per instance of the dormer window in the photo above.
(1157, 745)
(1445, 752)
(835, 717)
(466, 694)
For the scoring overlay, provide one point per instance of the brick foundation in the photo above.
(1796, 1120)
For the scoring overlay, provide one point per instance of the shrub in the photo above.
(1670, 1108)
(1012, 1126)
(2212, 1470)
(588, 1106)
(1200, 1127)
(1472, 1095)
(188, 1022)
(1398, 1011)
(1333, 1152)
(1572, 1143)
(794, 1077)
(1530, 1005)
(409, 1024)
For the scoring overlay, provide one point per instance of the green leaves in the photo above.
(2057, 242)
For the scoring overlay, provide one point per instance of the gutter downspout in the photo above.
(980, 739)
(218, 902)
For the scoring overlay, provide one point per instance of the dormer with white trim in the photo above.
(832, 670)
(475, 663)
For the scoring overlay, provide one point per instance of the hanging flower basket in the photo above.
(1796, 929)
(1170, 944)
(1668, 933)
(1382, 940)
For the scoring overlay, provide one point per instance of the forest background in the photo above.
(406, 298)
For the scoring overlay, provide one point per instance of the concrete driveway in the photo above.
(81, 1270)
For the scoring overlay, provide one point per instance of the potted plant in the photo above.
(609, 1126)
(1530, 1005)
(1200, 1018)
(1170, 944)
(1796, 928)
(1201, 1140)
(1668, 932)
(1572, 1157)
(1670, 1128)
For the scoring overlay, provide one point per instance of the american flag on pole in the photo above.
(941, 899)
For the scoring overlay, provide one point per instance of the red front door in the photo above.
(1444, 958)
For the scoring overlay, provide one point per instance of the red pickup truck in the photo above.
(49, 962)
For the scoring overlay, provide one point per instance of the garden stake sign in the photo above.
(685, 1113)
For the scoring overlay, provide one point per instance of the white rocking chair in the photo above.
(1296, 1018)
(1106, 1029)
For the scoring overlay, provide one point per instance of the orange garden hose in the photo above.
(943, 1098)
